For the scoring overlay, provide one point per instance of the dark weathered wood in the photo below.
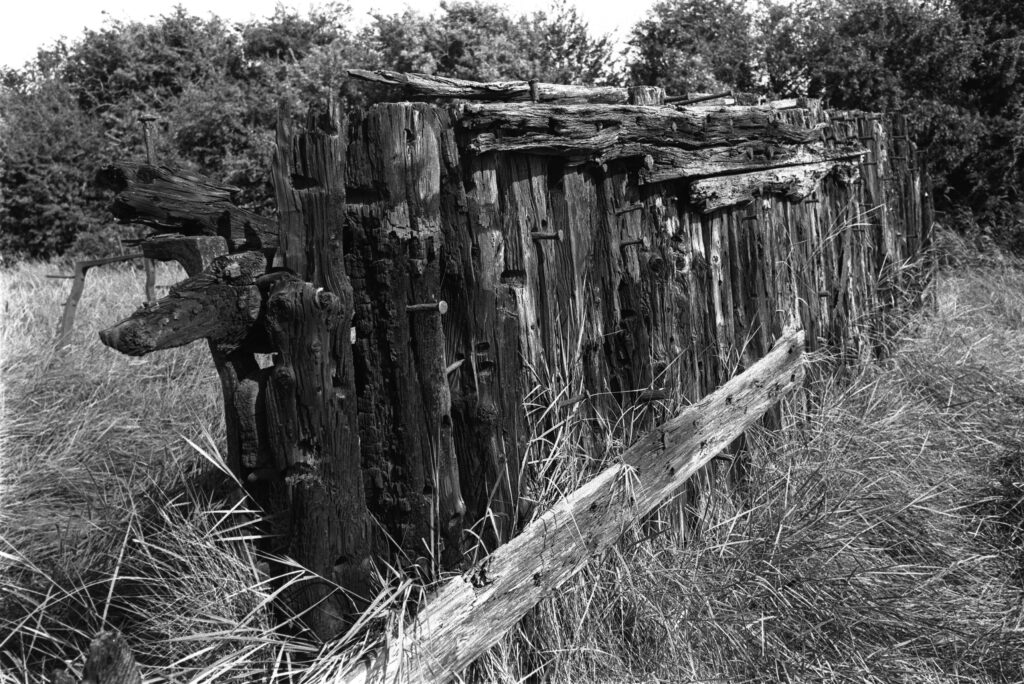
(312, 403)
(396, 262)
(177, 201)
(194, 252)
(428, 86)
(311, 433)
(601, 129)
(220, 304)
(471, 613)
(110, 661)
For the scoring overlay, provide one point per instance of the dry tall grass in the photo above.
(881, 537)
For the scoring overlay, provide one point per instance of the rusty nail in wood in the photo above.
(540, 235)
(58, 275)
(440, 306)
(870, 163)
(637, 241)
(145, 119)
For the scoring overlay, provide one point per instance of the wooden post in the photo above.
(313, 417)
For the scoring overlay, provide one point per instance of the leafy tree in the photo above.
(694, 45)
(50, 149)
(483, 42)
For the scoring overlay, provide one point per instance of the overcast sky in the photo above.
(29, 24)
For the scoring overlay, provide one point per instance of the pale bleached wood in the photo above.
(424, 85)
(795, 182)
(472, 612)
(669, 163)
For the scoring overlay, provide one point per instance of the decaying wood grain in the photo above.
(393, 225)
(178, 201)
(601, 129)
(669, 163)
(793, 182)
(423, 85)
(312, 402)
(471, 613)
(220, 304)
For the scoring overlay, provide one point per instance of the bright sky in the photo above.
(29, 24)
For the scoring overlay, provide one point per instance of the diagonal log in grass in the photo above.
(471, 613)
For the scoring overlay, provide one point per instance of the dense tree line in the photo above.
(217, 88)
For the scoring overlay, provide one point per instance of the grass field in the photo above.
(881, 538)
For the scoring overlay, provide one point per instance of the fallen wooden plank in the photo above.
(423, 85)
(472, 612)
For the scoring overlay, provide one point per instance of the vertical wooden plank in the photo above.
(311, 393)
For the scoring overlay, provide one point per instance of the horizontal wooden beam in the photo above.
(472, 612)
(427, 86)
(599, 130)
(794, 182)
(174, 200)
(670, 163)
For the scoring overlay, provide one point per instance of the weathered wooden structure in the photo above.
(433, 263)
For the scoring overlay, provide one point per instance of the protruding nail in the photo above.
(642, 241)
(440, 306)
(541, 235)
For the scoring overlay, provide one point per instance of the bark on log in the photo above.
(177, 201)
(471, 613)
(423, 85)
(592, 129)
(221, 304)
(794, 182)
